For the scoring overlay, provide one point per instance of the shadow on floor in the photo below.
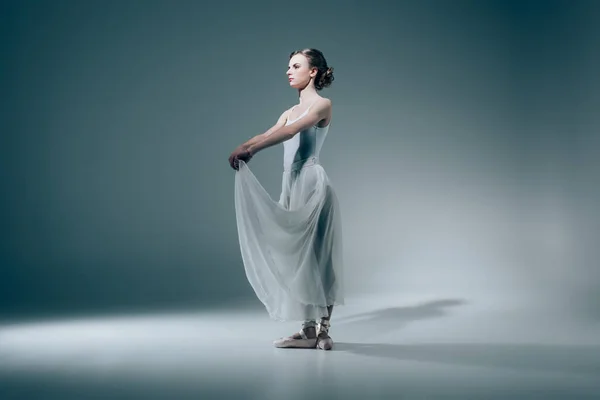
(393, 318)
(576, 359)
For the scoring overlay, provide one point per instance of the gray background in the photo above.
(464, 147)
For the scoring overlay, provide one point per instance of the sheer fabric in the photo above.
(292, 248)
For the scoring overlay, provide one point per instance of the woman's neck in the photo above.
(308, 94)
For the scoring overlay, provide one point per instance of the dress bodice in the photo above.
(305, 144)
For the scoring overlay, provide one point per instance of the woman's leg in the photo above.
(324, 341)
(309, 328)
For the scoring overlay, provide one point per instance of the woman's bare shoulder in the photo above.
(325, 100)
(324, 103)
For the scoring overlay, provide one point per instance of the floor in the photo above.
(385, 348)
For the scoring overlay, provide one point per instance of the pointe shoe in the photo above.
(324, 341)
(296, 343)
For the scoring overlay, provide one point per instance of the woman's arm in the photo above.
(275, 136)
(243, 148)
(280, 123)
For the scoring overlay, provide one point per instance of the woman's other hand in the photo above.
(240, 153)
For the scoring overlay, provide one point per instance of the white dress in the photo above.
(292, 249)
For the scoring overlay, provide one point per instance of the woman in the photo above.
(292, 248)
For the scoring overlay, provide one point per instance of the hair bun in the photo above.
(326, 78)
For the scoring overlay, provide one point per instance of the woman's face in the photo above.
(299, 73)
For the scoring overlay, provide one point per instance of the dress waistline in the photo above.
(299, 164)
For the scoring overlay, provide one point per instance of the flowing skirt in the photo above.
(291, 249)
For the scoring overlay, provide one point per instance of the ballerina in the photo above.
(292, 248)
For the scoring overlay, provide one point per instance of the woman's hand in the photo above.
(233, 155)
(240, 153)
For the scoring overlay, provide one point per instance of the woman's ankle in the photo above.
(310, 332)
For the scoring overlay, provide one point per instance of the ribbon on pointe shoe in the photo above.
(324, 326)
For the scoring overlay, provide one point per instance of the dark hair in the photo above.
(324, 76)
